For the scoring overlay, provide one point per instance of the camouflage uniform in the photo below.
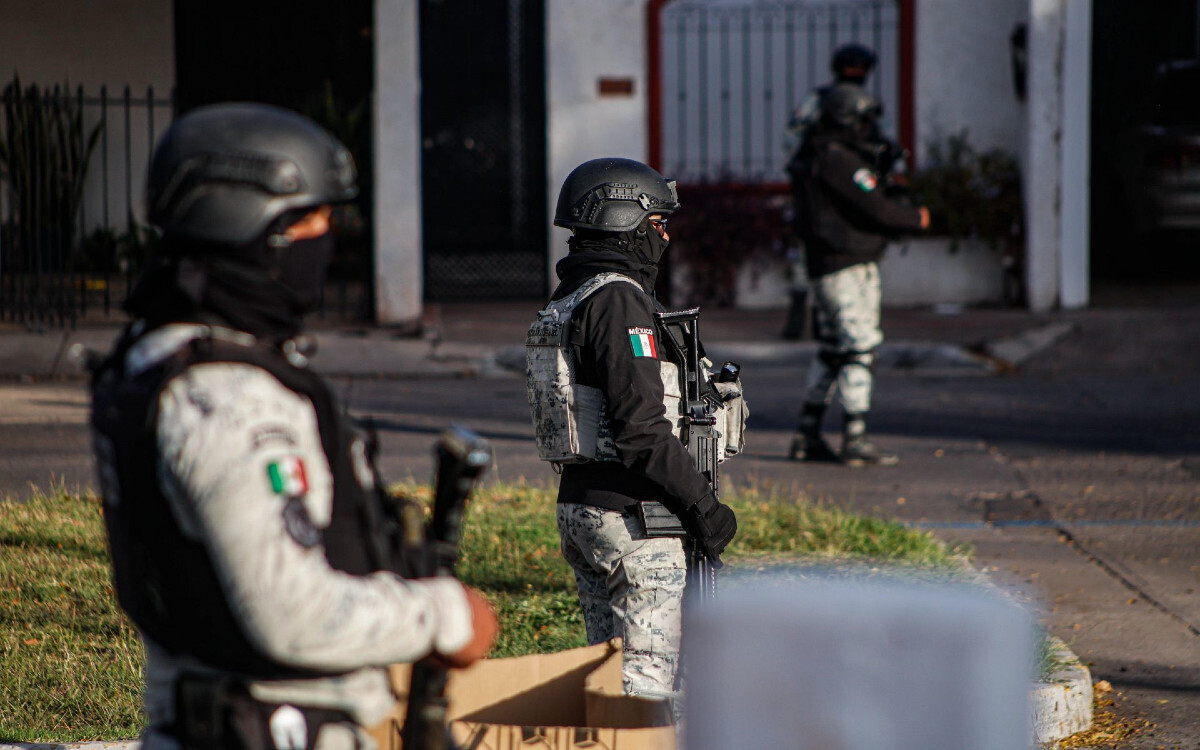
(629, 587)
(848, 332)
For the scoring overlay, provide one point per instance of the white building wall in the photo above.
(964, 80)
(1042, 168)
(585, 42)
(399, 280)
(964, 74)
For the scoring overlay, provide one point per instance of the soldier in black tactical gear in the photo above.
(845, 220)
(630, 583)
(252, 542)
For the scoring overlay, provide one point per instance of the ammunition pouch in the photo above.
(730, 410)
(220, 714)
(657, 520)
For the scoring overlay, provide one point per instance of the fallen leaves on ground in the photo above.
(1108, 729)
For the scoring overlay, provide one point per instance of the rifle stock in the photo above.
(461, 458)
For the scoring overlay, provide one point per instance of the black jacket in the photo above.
(843, 215)
(655, 464)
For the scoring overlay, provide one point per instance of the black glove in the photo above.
(714, 524)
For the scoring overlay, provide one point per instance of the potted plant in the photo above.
(973, 250)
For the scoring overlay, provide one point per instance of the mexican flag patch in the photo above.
(288, 477)
(642, 341)
(866, 179)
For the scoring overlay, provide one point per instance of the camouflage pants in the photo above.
(847, 307)
(629, 586)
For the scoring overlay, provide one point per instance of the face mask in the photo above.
(302, 267)
(655, 246)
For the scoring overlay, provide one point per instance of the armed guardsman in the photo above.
(606, 400)
(248, 533)
(845, 219)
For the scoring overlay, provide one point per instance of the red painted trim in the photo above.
(654, 82)
(908, 34)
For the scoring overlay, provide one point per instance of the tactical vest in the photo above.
(166, 580)
(570, 420)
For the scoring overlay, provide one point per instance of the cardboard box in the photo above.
(562, 701)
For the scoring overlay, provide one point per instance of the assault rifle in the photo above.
(701, 402)
(461, 458)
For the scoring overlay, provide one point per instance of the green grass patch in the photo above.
(70, 664)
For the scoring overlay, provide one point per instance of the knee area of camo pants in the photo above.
(629, 586)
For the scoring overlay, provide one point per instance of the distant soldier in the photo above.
(851, 63)
(248, 530)
(844, 219)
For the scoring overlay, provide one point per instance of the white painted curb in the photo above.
(1062, 706)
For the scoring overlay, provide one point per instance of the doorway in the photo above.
(483, 139)
(309, 56)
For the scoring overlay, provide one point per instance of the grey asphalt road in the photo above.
(1075, 477)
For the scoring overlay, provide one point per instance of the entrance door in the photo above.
(310, 56)
(483, 149)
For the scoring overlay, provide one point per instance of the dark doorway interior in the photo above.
(1129, 43)
(312, 56)
(483, 149)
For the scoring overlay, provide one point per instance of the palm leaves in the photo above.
(44, 154)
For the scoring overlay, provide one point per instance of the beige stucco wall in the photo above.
(89, 42)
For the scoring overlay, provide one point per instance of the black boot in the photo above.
(857, 450)
(807, 443)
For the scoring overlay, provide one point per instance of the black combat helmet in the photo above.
(223, 173)
(852, 62)
(613, 195)
(847, 105)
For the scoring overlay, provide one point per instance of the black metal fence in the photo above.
(72, 167)
(73, 233)
(733, 72)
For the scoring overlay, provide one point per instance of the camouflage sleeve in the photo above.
(244, 472)
(620, 353)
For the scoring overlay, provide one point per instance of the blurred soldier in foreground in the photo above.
(251, 538)
(844, 219)
(606, 398)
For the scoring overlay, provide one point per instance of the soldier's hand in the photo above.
(486, 628)
(715, 525)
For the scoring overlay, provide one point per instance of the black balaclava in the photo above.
(636, 253)
(264, 288)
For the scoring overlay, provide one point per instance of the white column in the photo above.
(587, 41)
(1043, 157)
(399, 282)
(1076, 154)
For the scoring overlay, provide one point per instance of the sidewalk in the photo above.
(482, 339)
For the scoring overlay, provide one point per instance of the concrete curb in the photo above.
(1014, 350)
(1063, 706)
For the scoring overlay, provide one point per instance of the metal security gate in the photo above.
(733, 72)
(483, 149)
(72, 173)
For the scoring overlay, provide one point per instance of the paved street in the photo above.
(1075, 476)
